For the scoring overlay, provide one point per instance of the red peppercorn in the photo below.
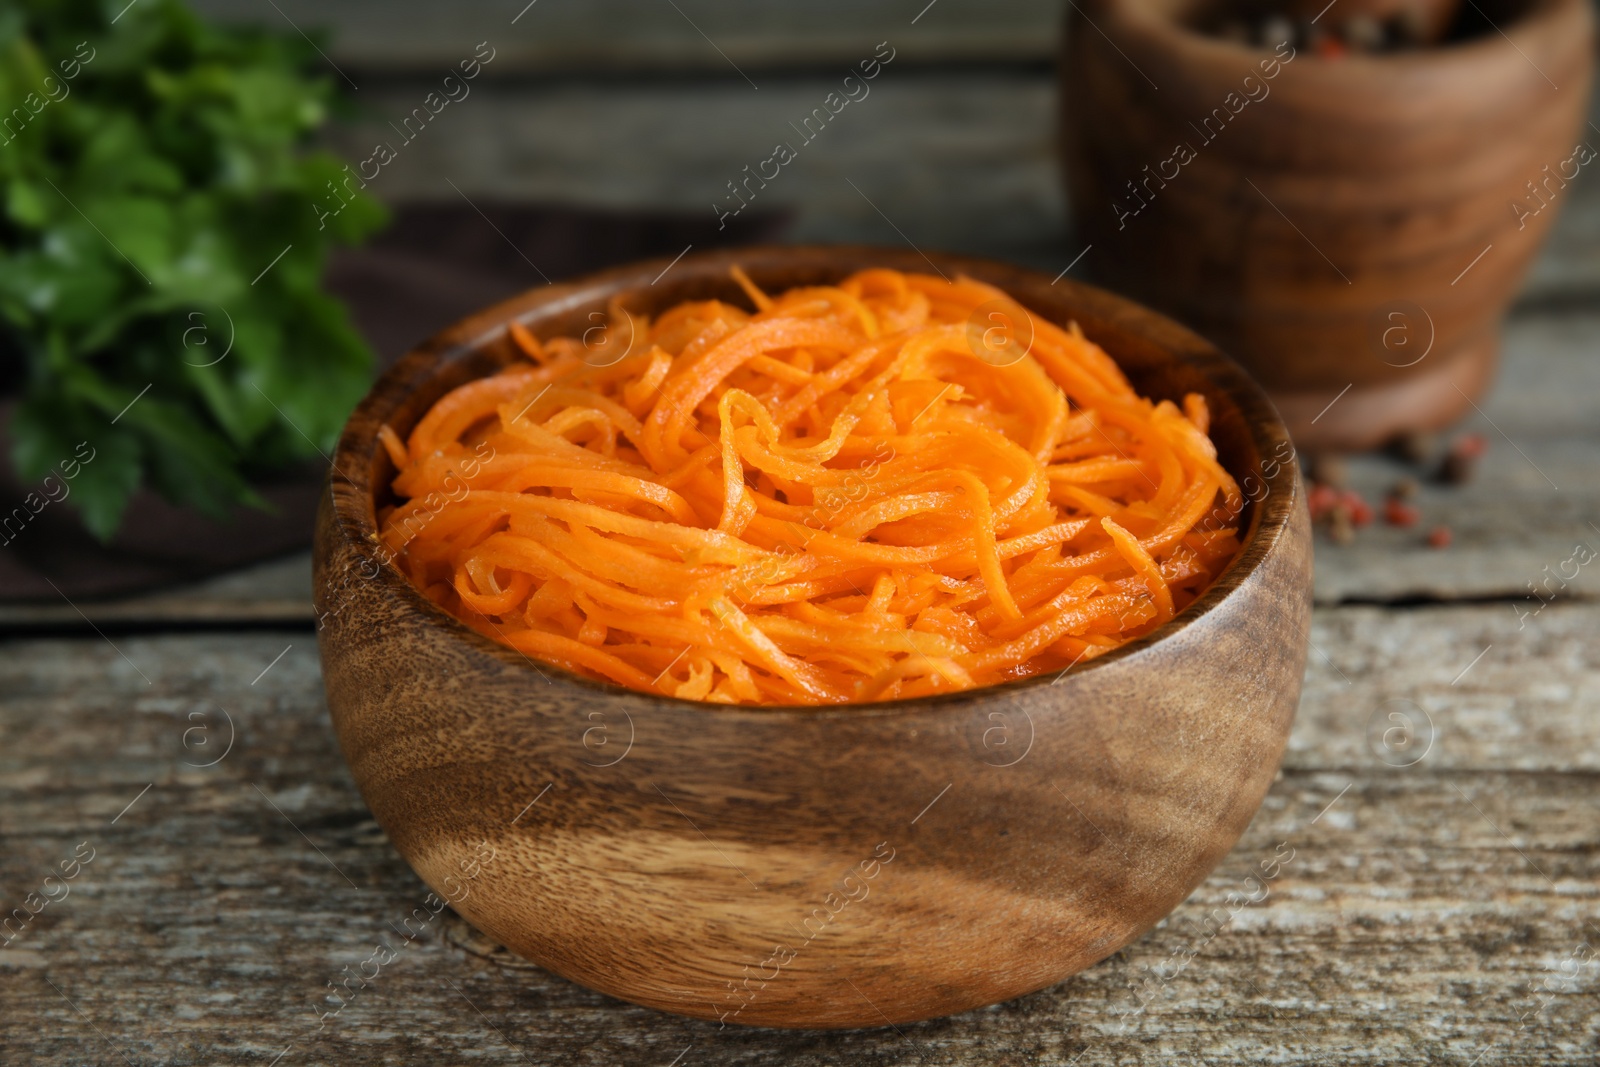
(1470, 446)
(1360, 510)
(1439, 537)
(1321, 499)
(1397, 512)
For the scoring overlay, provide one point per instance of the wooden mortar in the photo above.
(1358, 223)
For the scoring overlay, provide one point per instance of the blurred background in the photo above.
(590, 134)
(190, 303)
(649, 105)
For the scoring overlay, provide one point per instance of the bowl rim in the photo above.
(351, 502)
(1539, 22)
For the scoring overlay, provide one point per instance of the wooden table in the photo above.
(1440, 797)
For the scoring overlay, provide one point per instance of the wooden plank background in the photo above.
(1443, 902)
(1430, 912)
(626, 36)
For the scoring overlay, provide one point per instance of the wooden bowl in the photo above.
(1355, 227)
(1429, 19)
(804, 866)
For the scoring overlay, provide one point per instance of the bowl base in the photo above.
(1368, 417)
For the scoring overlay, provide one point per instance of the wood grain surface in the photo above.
(624, 36)
(887, 169)
(1412, 926)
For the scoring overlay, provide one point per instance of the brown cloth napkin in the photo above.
(436, 264)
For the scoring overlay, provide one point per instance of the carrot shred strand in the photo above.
(836, 497)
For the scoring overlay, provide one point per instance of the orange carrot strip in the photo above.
(395, 447)
(526, 341)
(1128, 548)
(833, 499)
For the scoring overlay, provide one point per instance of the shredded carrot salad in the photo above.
(856, 492)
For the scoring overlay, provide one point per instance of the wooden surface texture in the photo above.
(1442, 903)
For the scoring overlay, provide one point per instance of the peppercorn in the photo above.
(1360, 511)
(1321, 498)
(1398, 513)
